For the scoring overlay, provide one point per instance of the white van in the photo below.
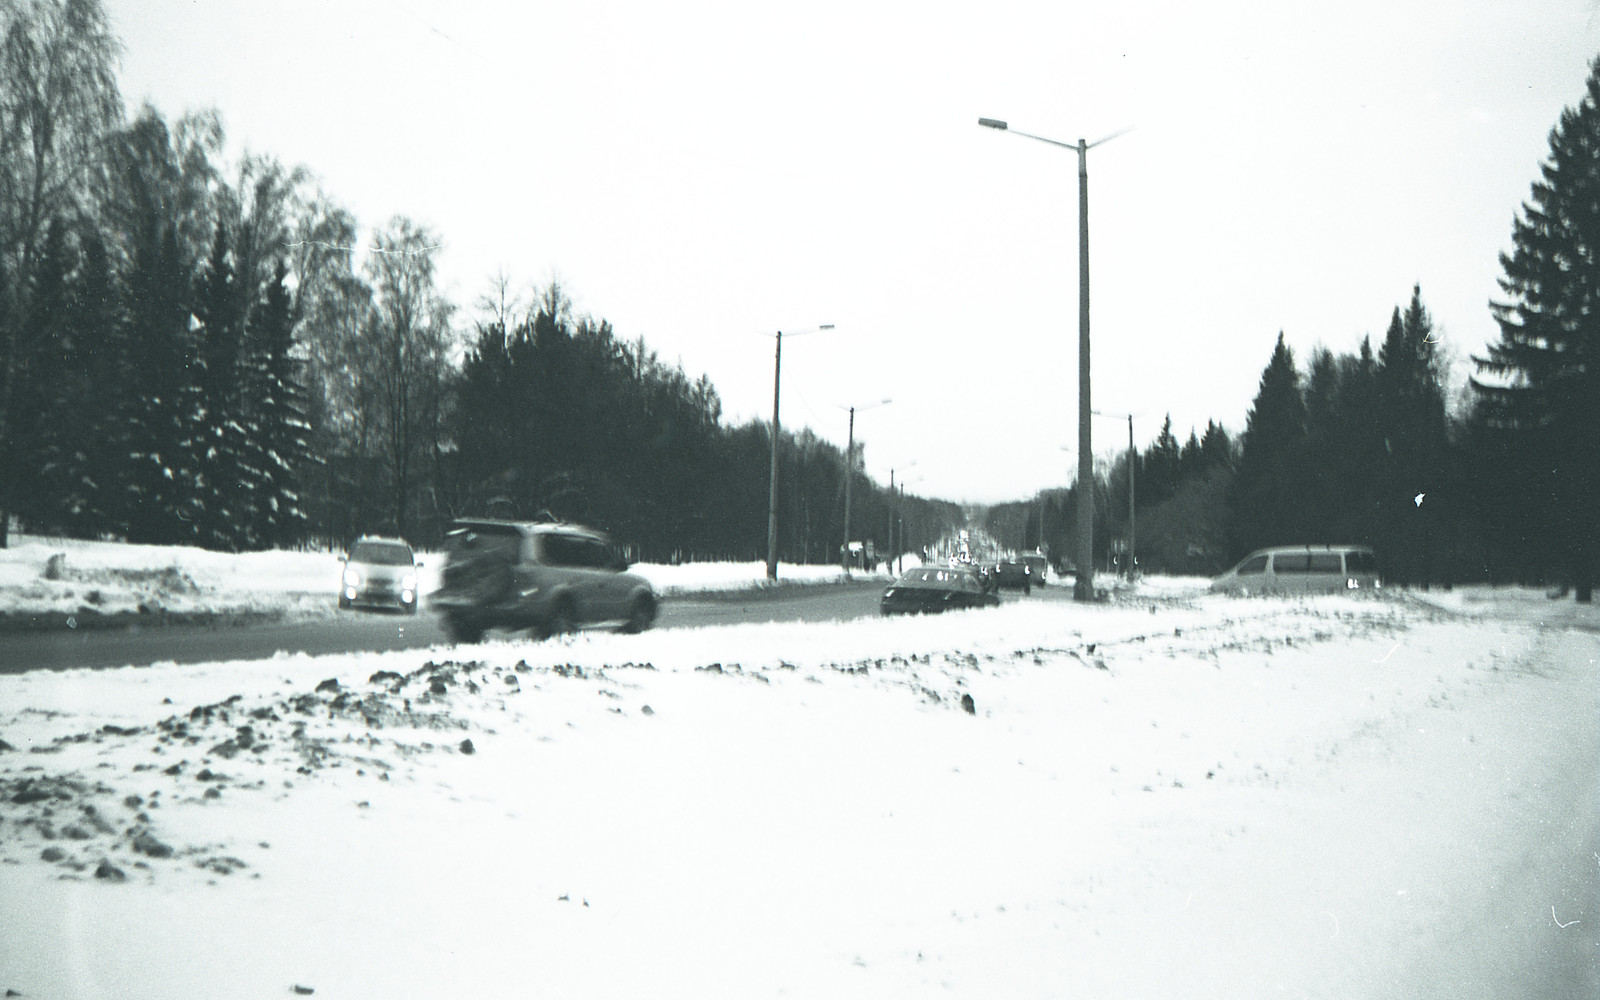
(1302, 569)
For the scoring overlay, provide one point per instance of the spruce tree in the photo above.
(1216, 447)
(1324, 496)
(40, 443)
(1157, 473)
(1538, 390)
(280, 431)
(1267, 497)
(102, 354)
(160, 501)
(223, 491)
(1411, 419)
(1190, 459)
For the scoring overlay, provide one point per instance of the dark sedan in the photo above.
(1014, 573)
(927, 589)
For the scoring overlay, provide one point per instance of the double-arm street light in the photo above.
(1084, 589)
(850, 475)
(772, 493)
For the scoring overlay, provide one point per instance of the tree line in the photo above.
(1365, 448)
(212, 351)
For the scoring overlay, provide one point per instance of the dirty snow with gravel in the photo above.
(1174, 794)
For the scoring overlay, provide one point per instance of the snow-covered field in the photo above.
(1172, 795)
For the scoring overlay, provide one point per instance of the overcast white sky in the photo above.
(705, 173)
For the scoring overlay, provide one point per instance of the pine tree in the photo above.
(156, 215)
(103, 359)
(280, 431)
(160, 502)
(1190, 459)
(1267, 496)
(1539, 403)
(226, 475)
(1411, 418)
(1216, 447)
(1325, 499)
(1356, 448)
(1157, 473)
(39, 438)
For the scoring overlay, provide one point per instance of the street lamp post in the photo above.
(897, 543)
(849, 478)
(1133, 522)
(1084, 589)
(772, 491)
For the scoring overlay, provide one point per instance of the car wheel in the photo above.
(463, 629)
(641, 614)
(560, 622)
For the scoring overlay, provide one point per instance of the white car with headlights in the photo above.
(379, 573)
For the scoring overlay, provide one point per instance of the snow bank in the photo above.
(1175, 795)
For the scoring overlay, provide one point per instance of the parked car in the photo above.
(379, 573)
(546, 577)
(928, 589)
(1303, 569)
(1015, 574)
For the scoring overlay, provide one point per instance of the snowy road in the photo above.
(361, 632)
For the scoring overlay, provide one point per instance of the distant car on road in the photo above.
(1040, 566)
(1303, 569)
(929, 589)
(547, 577)
(379, 573)
(1014, 574)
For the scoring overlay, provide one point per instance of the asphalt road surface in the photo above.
(371, 631)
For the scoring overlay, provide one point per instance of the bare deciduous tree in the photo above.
(407, 340)
(58, 101)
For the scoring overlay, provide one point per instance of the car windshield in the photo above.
(382, 554)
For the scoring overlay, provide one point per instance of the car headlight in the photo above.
(408, 582)
(352, 577)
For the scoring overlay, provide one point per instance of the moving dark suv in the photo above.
(548, 578)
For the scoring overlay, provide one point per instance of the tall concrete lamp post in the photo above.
(772, 492)
(1084, 589)
(850, 475)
